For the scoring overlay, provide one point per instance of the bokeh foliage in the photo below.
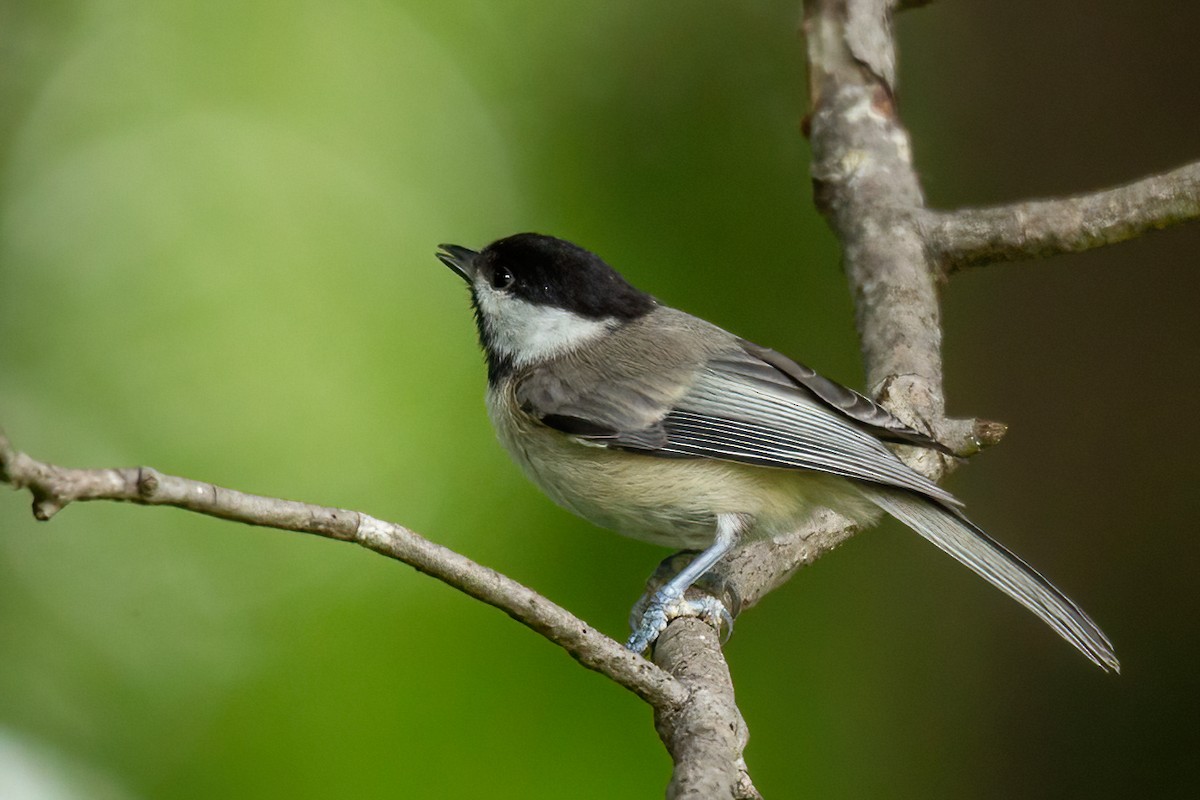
(216, 231)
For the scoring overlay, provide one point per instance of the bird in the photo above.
(659, 425)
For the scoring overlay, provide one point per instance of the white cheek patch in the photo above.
(526, 332)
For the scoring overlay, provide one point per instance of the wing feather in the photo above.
(774, 366)
(745, 404)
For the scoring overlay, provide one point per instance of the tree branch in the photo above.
(866, 186)
(1040, 228)
(54, 487)
(706, 735)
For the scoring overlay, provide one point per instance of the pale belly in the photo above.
(668, 501)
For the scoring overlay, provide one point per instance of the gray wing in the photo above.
(778, 368)
(736, 406)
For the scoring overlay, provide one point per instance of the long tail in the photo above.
(962, 539)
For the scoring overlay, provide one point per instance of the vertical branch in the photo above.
(705, 735)
(865, 185)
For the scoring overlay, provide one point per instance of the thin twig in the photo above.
(54, 487)
(1040, 228)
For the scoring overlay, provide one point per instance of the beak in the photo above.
(459, 259)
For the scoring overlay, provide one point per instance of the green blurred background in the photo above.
(217, 225)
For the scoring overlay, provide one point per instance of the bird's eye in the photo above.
(502, 278)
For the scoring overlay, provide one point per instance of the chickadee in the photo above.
(654, 423)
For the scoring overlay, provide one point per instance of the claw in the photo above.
(666, 606)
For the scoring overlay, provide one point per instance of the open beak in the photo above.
(459, 259)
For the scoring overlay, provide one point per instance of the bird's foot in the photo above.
(665, 606)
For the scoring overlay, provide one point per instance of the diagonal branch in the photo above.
(54, 487)
(1040, 228)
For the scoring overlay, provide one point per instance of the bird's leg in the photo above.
(668, 602)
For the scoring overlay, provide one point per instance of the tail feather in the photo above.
(958, 536)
